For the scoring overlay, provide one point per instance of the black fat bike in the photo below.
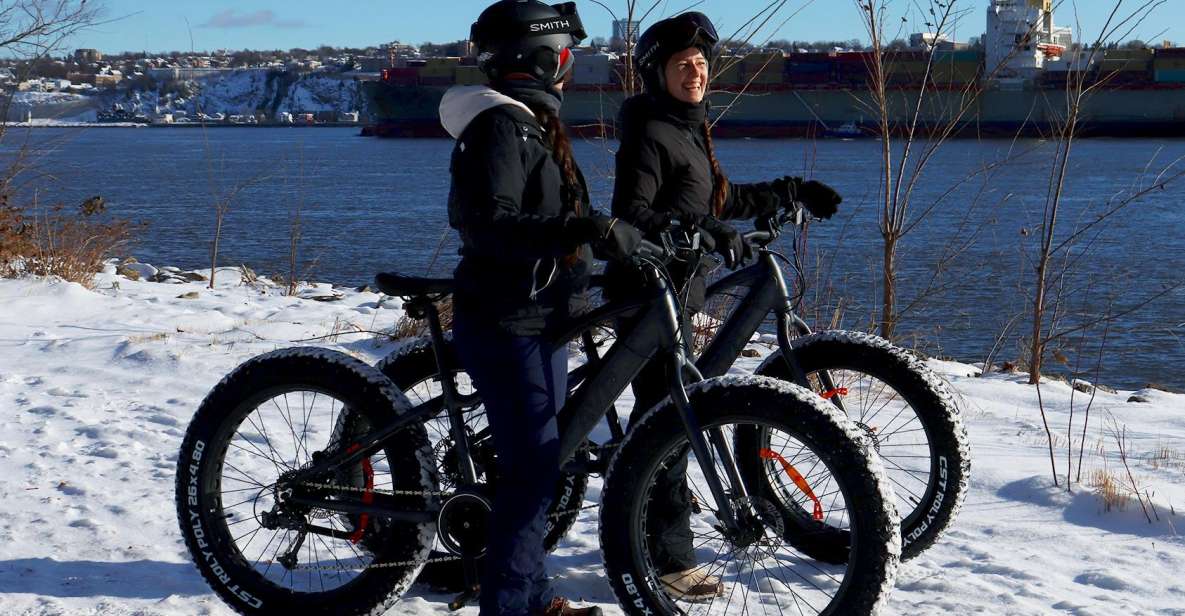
(906, 411)
(308, 482)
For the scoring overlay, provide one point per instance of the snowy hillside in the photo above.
(232, 93)
(97, 387)
(56, 106)
(249, 91)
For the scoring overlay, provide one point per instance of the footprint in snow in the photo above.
(164, 420)
(33, 381)
(62, 393)
(1102, 580)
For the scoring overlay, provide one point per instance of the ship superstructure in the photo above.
(1021, 37)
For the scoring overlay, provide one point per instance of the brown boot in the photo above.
(559, 607)
(693, 585)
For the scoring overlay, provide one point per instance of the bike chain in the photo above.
(405, 563)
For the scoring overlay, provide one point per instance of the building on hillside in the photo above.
(930, 40)
(87, 56)
(624, 30)
(175, 73)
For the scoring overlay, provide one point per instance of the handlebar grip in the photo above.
(758, 237)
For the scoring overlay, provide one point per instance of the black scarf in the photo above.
(691, 115)
(532, 94)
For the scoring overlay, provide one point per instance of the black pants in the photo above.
(523, 383)
(668, 520)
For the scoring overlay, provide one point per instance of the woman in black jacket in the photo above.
(667, 169)
(520, 206)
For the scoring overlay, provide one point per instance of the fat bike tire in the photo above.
(907, 411)
(226, 475)
(768, 574)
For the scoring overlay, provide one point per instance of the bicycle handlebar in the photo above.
(797, 215)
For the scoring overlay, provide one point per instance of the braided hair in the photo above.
(719, 181)
(555, 137)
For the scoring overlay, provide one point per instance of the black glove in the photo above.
(612, 239)
(821, 200)
(727, 242)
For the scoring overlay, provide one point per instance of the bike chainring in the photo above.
(463, 524)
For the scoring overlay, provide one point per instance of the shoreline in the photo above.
(183, 125)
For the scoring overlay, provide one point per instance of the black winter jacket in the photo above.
(663, 168)
(515, 230)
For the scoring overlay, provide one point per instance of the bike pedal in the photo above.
(464, 599)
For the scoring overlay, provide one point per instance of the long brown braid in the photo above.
(555, 137)
(719, 181)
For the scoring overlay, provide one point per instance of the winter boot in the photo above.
(693, 585)
(559, 607)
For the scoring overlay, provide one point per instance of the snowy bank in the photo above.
(97, 387)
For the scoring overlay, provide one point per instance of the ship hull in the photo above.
(779, 112)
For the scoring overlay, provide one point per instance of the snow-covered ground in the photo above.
(97, 387)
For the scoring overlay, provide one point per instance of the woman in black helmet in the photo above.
(667, 169)
(520, 206)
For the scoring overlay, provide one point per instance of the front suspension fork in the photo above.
(787, 320)
(726, 512)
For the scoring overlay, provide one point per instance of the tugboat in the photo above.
(848, 130)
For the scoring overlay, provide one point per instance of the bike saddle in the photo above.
(399, 285)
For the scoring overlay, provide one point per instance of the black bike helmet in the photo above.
(666, 38)
(527, 37)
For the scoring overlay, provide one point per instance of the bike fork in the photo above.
(786, 320)
(700, 446)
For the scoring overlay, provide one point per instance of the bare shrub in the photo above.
(58, 241)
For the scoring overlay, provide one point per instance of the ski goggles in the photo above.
(690, 29)
(568, 22)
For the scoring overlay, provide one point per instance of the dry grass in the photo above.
(58, 241)
(1110, 489)
(407, 327)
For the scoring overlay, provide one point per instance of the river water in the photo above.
(368, 205)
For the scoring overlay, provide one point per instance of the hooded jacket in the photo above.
(507, 202)
(663, 172)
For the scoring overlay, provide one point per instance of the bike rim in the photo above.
(277, 432)
(898, 434)
(768, 576)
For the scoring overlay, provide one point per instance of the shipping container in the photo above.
(1170, 76)
(1128, 54)
(592, 69)
(1169, 64)
(853, 57)
(798, 67)
(447, 80)
(808, 78)
(731, 73)
(440, 67)
(470, 76)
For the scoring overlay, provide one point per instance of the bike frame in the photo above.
(658, 330)
(765, 291)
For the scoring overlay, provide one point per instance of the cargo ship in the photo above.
(1134, 92)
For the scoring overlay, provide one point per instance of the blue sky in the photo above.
(141, 25)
